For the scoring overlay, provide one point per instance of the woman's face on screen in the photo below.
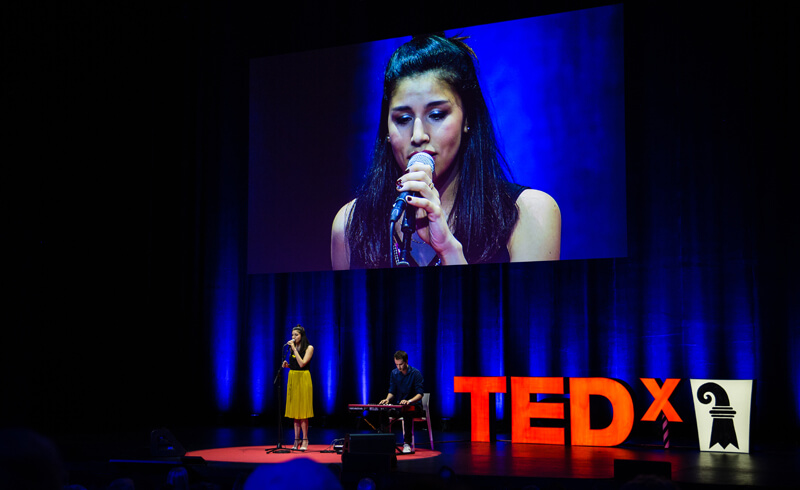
(426, 115)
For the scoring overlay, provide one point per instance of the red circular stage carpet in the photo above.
(257, 455)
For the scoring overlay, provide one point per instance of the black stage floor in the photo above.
(96, 459)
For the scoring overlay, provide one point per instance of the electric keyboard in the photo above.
(360, 407)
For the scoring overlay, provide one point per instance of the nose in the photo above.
(420, 135)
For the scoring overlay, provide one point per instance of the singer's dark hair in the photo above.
(484, 213)
(303, 340)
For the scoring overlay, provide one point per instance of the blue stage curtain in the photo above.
(130, 301)
(707, 288)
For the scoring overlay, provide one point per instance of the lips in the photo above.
(431, 153)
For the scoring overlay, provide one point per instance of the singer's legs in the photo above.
(304, 428)
(297, 438)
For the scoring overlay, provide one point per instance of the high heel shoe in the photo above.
(296, 444)
(304, 446)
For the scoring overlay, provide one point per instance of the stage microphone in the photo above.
(409, 225)
(400, 202)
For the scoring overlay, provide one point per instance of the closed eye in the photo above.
(402, 119)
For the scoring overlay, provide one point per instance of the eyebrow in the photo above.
(429, 104)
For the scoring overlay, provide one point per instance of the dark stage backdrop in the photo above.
(704, 293)
(131, 305)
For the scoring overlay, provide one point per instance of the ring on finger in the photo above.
(431, 185)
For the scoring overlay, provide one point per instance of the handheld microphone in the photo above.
(409, 225)
(400, 202)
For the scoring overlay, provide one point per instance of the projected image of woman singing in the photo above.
(299, 390)
(436, 148)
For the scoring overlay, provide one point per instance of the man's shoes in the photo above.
(407, 449)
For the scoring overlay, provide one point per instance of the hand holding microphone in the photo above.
(435, 231)
(401, 200)
(409, 225)
(288, 344)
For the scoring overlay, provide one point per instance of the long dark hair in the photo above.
(484, 213)
(303, 340)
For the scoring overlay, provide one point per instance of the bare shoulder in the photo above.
(340, 221)
(537, 235)
(538, 203)
(340, 251)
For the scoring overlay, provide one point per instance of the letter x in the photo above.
(661, 402)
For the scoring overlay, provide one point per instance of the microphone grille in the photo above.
(422, 157)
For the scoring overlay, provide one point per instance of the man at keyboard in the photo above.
(405, 385)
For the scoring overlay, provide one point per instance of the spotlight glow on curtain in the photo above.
(261, 359)
(224, 327)
(357, 343)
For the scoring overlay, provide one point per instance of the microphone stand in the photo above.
(278, 383)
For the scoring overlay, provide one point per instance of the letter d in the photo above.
(622, 412)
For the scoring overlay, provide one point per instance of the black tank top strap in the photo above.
(514, 190)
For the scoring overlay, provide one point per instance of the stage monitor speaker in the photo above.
(369, 453)
(628, 469)
(164, 445)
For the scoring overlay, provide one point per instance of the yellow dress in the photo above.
(299, 392)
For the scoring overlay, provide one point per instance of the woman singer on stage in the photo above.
(299, 392)
(466, 209)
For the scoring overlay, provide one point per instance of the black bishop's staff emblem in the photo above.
(722, 430)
